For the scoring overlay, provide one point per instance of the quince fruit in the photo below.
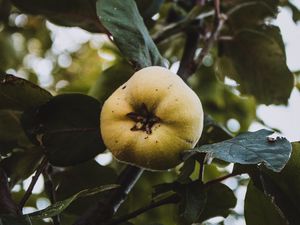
(151, 119)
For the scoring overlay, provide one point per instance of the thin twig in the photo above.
(218, 25)
(218, 180)
(50, 191)
(27, 194)
(173, 199)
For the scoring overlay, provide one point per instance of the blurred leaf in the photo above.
(251, 148)
(21, 164)
(60, 206)
(148, 8)
(259, 208)
(67, 127)
(123, 21)
(80, 13)
(86, 175)
(110, 79)
(15, 220)
(251, 12)
(213, 132)
(19, 94)
(295, 10)
(193, 201)
(8, 55)
(260, 63)
(220, 201)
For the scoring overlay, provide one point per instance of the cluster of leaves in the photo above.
(58, 135)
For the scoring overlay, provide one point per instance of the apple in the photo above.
(151, 119)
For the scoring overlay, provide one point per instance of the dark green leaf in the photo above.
(110, 79)
(251, 148)
(260, 64)
(15, 220)
(19, 94)
(80, 177)
(81, 13)
(21, 164)
(284, 186)
(60, 206)
(260, 209)
(193, 201)
(148, 8)
(251, 12)
(220, 201)
(67, 127)
(11, 132)
(123, 21)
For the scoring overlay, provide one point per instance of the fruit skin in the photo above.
(165, 95)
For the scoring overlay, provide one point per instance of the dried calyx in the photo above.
(144, 119)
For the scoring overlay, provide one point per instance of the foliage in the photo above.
(51, 97)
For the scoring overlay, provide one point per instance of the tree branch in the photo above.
(173, 199)
(187, 65)
(103, 211)
(50, 191)
(218, 25)
(27, 194)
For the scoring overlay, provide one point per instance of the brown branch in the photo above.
(39, 170)
(218, 25)
(50, 191)
(173, 199)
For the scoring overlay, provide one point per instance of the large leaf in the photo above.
(21, 164)
(220, 201)
(60, 206)
(67, 127)
(81, 13)
(80, 177)
(19, 94)
(11, 132)
(251, 148)
(259, 208)
(259, 63)
(15, 220)
(110, 79)
(123, 21)
(193, 202)
(284, 186)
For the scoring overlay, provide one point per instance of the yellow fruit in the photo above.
(151, 119)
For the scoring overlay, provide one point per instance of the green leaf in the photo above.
(123, 21)
(19, 94)
(284, 186)
(81, 13)
(260, 66)
(21, 164)
(251, 148)
(80, 177)
(193, 201)
(110, 79)
(67, 127)
(251, 12)
(220, 201)
(60, 206)
(260, 209)
(11, 132)
(15, 220)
